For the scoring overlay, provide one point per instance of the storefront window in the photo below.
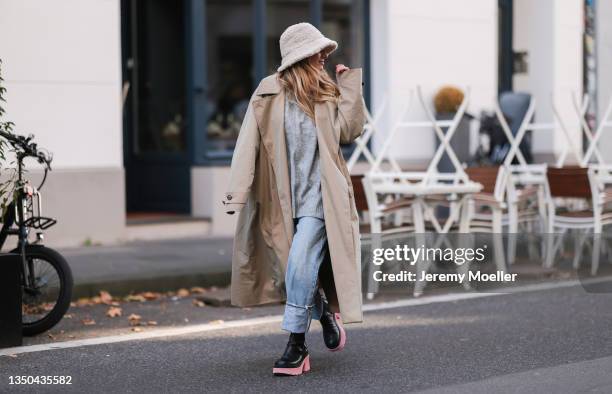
(343, 22)
(233, 28)
(280, 15)
(230, 70)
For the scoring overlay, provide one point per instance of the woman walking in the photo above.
(297, 236)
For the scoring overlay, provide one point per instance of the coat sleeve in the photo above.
(242, 170)
(351, 116)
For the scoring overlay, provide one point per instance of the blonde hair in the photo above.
(309, 85)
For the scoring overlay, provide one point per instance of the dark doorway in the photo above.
(156, 158)
(506, 53)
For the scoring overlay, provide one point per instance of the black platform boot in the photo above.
(295, 360)
(334, 335)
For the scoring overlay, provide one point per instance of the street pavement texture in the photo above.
(549, 340)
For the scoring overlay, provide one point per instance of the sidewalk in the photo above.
(150, 265)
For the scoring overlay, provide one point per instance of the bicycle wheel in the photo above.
(46, 289)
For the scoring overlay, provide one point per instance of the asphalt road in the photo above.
(540, 341)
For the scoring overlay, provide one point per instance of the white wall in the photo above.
(551, 33)
(62, 66)
(604, 71)
(431, 43)
(568, 69)
(533, 32)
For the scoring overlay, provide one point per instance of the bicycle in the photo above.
(46, 276)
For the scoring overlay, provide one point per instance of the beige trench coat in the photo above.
(259, 188)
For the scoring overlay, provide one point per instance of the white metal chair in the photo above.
(606, 121)
(488, 210)
(526, 183)
(588, 184)
(361, 143)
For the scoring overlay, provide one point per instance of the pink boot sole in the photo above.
(342, 334)
(305, 367)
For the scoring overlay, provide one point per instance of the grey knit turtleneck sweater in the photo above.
(303, 159)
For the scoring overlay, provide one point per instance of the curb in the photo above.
(155, 284)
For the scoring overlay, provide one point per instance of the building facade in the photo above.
(141, 101)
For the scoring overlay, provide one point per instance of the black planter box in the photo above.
(10, 300)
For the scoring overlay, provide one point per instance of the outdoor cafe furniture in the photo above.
(591, 186)
(412, 190)
(411, 195)
(525, 197)
(488, 210)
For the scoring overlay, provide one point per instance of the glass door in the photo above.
(229, 73)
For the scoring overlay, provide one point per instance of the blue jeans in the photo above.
(306, 254)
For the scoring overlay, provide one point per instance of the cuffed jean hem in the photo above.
(297, 318)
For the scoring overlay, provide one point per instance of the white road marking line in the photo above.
(157, 333)
(466, 296)
(207, 327)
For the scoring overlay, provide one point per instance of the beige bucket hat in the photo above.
(300, 41)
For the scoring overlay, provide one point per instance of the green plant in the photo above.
(7, 186)
(7, 127)
(448, 99)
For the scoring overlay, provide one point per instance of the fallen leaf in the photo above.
(12, 355)
(198, 303)
(68, 315)
(83, 302)
(136, 329)
(71, 336)
(96, 300)
(51, 336)
(151, 323)
(115, 303)
(216, 322)
(88, 321)
(150, 296)
(135, 298)
(134, 319)
(73, 304)
(28, 309)
(105, 297)
(198, 290)
(182, 293)
(114, 311)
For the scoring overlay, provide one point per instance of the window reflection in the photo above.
(343, 22)
(280, 15)
(230, 70)
(230, 57)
